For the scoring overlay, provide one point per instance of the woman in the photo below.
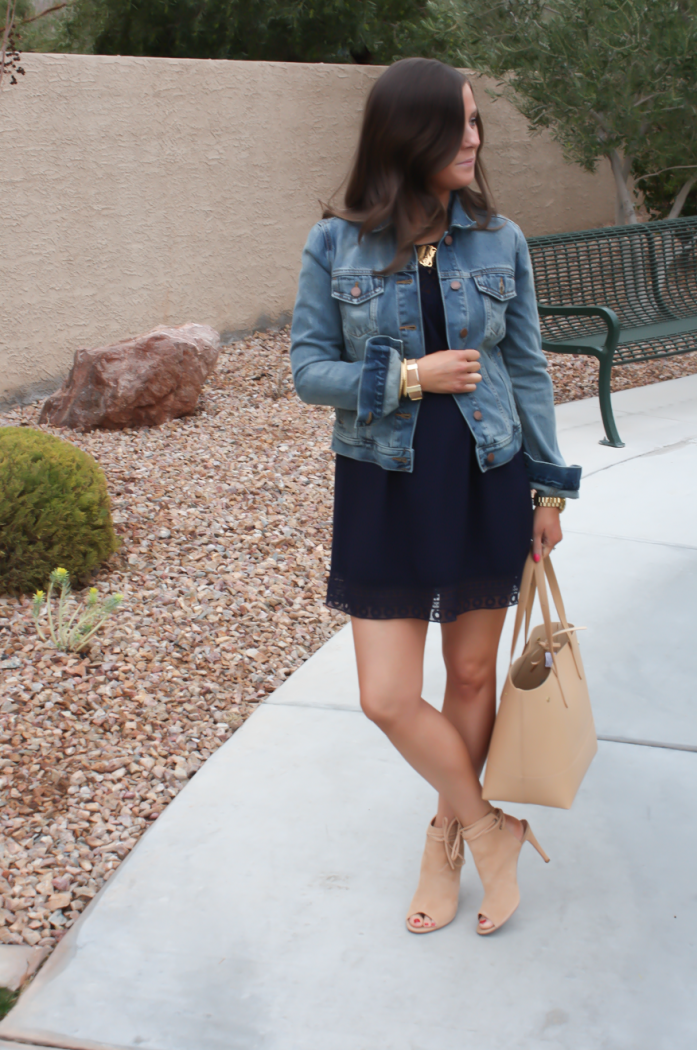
(416, 320)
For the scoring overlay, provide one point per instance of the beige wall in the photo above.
(136, 192)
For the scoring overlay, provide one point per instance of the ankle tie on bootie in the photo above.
(455, 850)
(494, 819)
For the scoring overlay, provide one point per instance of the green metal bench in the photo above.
(621, 295)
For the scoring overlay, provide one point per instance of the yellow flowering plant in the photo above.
(71, 631)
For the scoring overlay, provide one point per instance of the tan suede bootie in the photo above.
(439, 883)
(496, 850)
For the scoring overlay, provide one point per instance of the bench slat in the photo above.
(632, 353)
(647, 334)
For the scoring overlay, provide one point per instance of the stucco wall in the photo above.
(136, 192)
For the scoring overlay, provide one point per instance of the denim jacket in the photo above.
(352, 328)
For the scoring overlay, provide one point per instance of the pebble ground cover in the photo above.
(225, 522)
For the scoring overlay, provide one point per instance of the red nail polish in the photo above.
(536, 557)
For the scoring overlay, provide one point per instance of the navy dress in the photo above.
(441, 541)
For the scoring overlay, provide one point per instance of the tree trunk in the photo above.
(679, 202)
(624, 206)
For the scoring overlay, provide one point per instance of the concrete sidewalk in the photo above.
(265, 909)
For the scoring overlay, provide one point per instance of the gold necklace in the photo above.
(426, 254)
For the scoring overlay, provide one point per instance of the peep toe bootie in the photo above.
(439, 883)
(496, 850)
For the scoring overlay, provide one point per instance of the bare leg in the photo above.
(470, 646)
(389, 654)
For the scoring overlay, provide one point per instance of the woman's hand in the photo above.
(450, 371)
(546, 532)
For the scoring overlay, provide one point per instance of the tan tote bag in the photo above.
(544, 736)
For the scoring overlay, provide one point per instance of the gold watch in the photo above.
(559, 502)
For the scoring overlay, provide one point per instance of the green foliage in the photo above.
(659, 192)
(608, 78)
(54, 510)
(7, 1000)
(665, 165)
(23, 9)
(71, 631)
(277, 30)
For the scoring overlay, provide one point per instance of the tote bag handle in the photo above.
(559, 605)
(526, 599)
(533, 581)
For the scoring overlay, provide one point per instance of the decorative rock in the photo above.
(19, 963)
(59, 901)
(144, 381)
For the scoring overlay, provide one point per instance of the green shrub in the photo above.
(54, 510)
(7, 1000)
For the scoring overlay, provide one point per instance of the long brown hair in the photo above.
(412, 127)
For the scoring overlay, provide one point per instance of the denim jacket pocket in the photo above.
(358, 293)
(497, 287)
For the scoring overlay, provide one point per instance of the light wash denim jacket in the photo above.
(351, 329)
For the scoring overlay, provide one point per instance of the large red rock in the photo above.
(140, 382)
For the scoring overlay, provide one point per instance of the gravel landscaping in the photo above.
(225, 522)
(577, 377)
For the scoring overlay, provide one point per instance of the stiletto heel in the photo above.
(439, 883)
(496, 850)
(529, 837)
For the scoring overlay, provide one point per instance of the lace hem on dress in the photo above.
(441, 604)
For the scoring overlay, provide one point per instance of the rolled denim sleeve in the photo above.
(532, 387)
(321, 374)
(381, 376)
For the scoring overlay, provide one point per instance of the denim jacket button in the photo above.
(490, 458)
(355, 291)
(455, 285)
(478, 416)
(448, 239)
(463, 333)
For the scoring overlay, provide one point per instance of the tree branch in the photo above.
(646, 98)
(679, 201)
(677, 167)
(600, 119)
(41, 14)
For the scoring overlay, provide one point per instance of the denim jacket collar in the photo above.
(458, 216)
